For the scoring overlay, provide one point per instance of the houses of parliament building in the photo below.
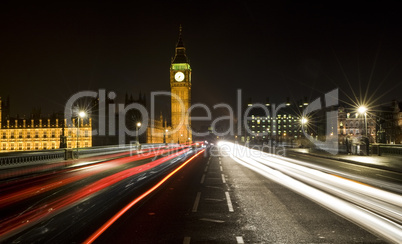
(39, 133)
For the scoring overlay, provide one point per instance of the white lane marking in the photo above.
(186, 240)
(213, 220)
(196, 202)
(223, 178)
(215, 187)
(230, 206)
(202, 179)
(214, 200)
(206, 168)
(221, 168)
(239, 240)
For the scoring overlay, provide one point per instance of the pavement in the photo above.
(391, 163)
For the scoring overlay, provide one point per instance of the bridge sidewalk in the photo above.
(386, 162)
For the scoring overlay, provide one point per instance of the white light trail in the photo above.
(376, 210)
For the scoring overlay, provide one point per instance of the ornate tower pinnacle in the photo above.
(180, 53)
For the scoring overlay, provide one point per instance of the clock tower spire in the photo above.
(180, 53)
(180, 87)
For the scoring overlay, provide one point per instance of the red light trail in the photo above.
(105, 226)
(16, 224)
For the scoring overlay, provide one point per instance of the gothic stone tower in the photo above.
(180, 85)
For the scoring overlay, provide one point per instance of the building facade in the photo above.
(158, 131)
(180, 85)
(389, 126)
(284, 127)
(351, 124)
(33, 134)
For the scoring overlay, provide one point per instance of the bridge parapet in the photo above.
(17, 159)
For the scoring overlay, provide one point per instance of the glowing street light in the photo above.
(81, 115)
(303, 122)
(362, 109)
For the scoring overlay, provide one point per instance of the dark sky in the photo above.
(272, 49)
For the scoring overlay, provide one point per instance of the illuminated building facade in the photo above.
(158, 131)
(389, 125)
(352, 124)
(284, 127)
(37, 133)
(180, 84)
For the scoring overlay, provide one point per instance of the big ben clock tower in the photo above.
(180, 86)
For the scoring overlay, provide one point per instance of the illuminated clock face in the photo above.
(179, 76)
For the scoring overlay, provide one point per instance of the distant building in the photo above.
(180, 85)
(390, 123)
(351, 124)
(284, 127)
(158, 131)
(39, 133)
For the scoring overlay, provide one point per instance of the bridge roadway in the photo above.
(216, 200)
(212, 199)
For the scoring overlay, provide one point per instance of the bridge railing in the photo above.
(25, 158)
(40, 156)
(388, 149)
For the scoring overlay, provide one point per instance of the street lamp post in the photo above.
(303, 121)
(164, 136)
(363, 110)
(138, 125)
(365, 121)
(81, 115)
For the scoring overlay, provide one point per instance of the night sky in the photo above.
(270, 50)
